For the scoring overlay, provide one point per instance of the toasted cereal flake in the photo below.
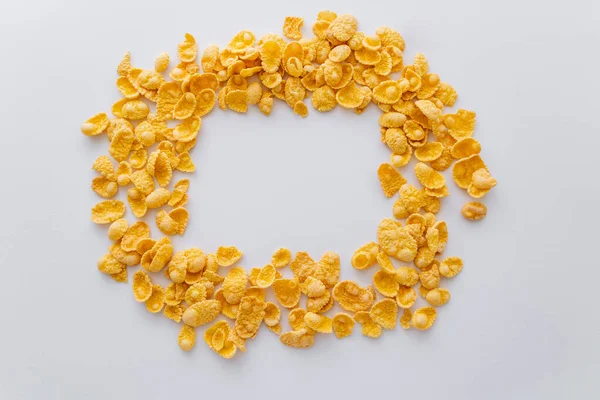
(406, 297)
(369, 327)
(292, 26)
(121, 143)
(385, 313)
(385, 283)
(300, 339)
(392, 120)
(390, 179)
(406, 319)
(158, 198)
(317, 304)
(187, 51)
(125, 65)
(108, 211)
(228, 310)
(201, 313)
(296, 319)
(428, 177)
(438, 297)
(303, 266)
(387, 92)
(128, 258)
(195, 293)
(174, 312)
(156, 301)
(313, 287)
(270, 55)
(461, 124)
(465, 147)
(423, 318)
(186, 338)
(142, 286)
(235, 284)
(482, 179)
(407, 276)
(343, 27)
(272, 314)
(429, 152)
(451, 266)
(319, 323)
(249, 317)
(324, 99)
(446, 94)
(228, 255)
(400, 160)
(110, 265)
(430, 277)
(126, 88)
(385, 263)
(255, 291)
(342, 325)
(463, 169)
(365, 256)
(327, 269)
(424, 257)
(117, 229)
(120, 276)
(350, 96)
(166, 224)
(301, 109)
(136, 232)
(161, 63)
(266, 276)
(155, 259)
(287, 292)
(472, 210)
(281, 257)
(188, 129)
(219, 338)
(352, 297)
(137, 202)
(175, 293)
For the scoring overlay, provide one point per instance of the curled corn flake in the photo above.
(385, 313)
(201, 313)
(465, 147)
(186, 338)
(185, 106)
(137, 202)
(301, 339)
(390, 179)
(117, 229)
(385, 283)
(156, 301)
(342, 325)
(423, 318)
(451, 266)
(158, 198)
(318, 323)
(121, 143)
(350, 96)
(313, 287)
(406, 297)
(324, 99)
(266, 276)
(175, 293)
(228, 310)
(136, 232)
(187, 130)
(235, 284)
(108, 211)
(369, 327)
(424, 257)
(270, 55)
(255, 291)
(95, 125)
(287, 292)
(303, 266)
(217, 337)
(142, 286)
(406, 319)
(400, 160)
(126, 88)
(155, 259)
(429, 152)
(387, 92)
(392, 120)
(352, 297)
(474, 211)
(272, 314)
(174, 312)
(292, 26)
(161, 63)
(461, 124)
(327, 269)
(343, 27)
(446, 94)
(407, 276)
(317, 304)
(365, 256)
(281, 257)
(463, 169)
(430, 277)
(110, 265)
(250, 314)
(187, 51)
(301, 109)
(236, 100)
(195, 293)
(128, 258)
(385, 263)
(120, 277)
(296, 319)
(438, 297)
(228, 255)
(429, 178)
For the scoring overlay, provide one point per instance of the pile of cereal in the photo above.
(339, 66)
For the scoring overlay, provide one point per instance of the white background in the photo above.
(523, 321)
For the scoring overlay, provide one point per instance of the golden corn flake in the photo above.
(292, 26)
(369, 327)
(327, 269)
(472, 210)
(424, 317)
(390, 179)
(228, 310)
(234, 285)
(428, 177)
(300, 339)
(451, 266)
(128, 258)
(400, 160)
(301, 109)
(266, 276)
(287, 292)
(392, 120)
(387, 92)
(385, 263)
(272, 314)
(187, 50)
(438, 297)
(175, 293)
(108, 211)
(117, 229)
(110, 265)
(281, 257)
(342, 325)
(430, 277)
(228, 255)
(406, 319)
(250, 314)
(136, 232)
(461, 124)
(155, 259)
(407, 276)
(174, 312)
(219, 338)
(463, 169)
(201, 313)
(352, 297)
(186, 338)
(318, 304)
(318, 323)
(95, 125)
(385, 283)
(156, 301)
(195, 293)
(366, 256)
(429, 152)
(446, 94)
(313, 287)
(350, 96)
(303, 266)
(465, 147)
(324, 99)
(406, 297)
(385, 313)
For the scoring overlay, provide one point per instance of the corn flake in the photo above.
(108, 211)
(250, 314)
(385, 313)
(300, 339)
(352, 297)
(423, 318)
(287, 292)
(234, 285)
(156, 301)
(390, 179)
(473, 211)
(201, 313)
(281, 257)
(228, 255)
(438, 297)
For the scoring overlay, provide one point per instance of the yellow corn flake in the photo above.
(461, 124)
(292, 26)
(369, 327)
(234, 285)
(365, 256)
(156, 301)
(463, 169)
(187, 51)
(301, 109)
(400, 160)
(265, 104)
(187, 130)
(219, 338)
(249, 317)
(266, 276)
(446, 94)
(185, 163)
(175, 293)
(117, 229)
(392, 120)
(406, 297)
(161, 63)
(272, 314)
(195, 293)
(228, 310)
(281, 257)
(174, 312)
(424, 257)
(390, 179)
(155, 259)
(108, 211)
(270, 54)
(186, 338)
(324, 99)
(430, 277)
(451, 266)
(350, 96)
(474, 211)
(137, 202)
(313, 287)
(185, 106)
(201, 313)
(173, 222)
(406, 319)
(327, 269)
(287, 292)
(385, 313)
(110, 265)
(158, 198)
(385, 263)
(128, 258)
(385, 283)
(342, 325)
(236, 100)
(228, 255)
(387, 92)
(318, 323)
(352, 297)
(407, 276)
(429, 152)
(465, 147)
(95, 125)
(319, 304)
(438, 297)
(481, 183)
(428, 177)
(126, 88)
(142, 286)
(125, 65)
(300, 339)
(424, 317)
(255, 291)
(121, 143)
(303, 266)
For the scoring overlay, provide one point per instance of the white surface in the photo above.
(522, 320)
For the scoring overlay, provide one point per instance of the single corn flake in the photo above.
(451, 266)
(201, 313)
(406, 319)
(390, 179)
(406, 297)
(370, 328)
(287, 292)
(292, 26)
(428, 177)
(161, 63)
(228, 255)
(174, 312)
(429, 152)
(318, 323)
(463, 169)
(156, 301)
(195, 293)
(108, 211)
(424, 317)
(303, 266)
(272, 314)
(342, 325)
(438, 297)
(474, 210)
(365, 256)
(266, 276)
(385, 283)
(430, 277)
(117, 229)
(235, 284)
(461, 124)
(465, 147)
(250, 314)
(385, 313)
(407, 276)
(352, 297)
(186, 338)
(300, 339)
(95, 125)
(219, 338)
(187, 51)
(324, 99)
(136, 232)
(281, 257)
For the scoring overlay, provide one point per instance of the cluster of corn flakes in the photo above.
(156, 123)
